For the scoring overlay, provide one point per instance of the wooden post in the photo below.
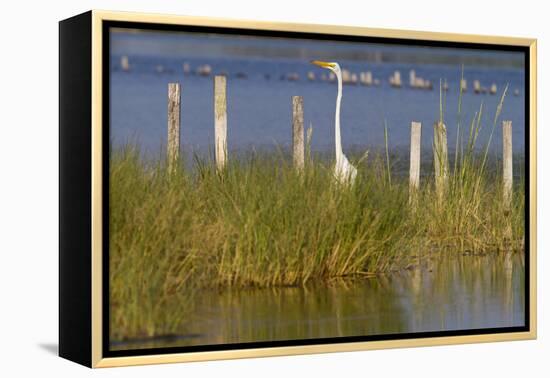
(309, 134)
(298, 131)
(441, 163)
(507, 178)
(463, 85)
(220, 120)
(173, 125)
(124, 63)
(414, 171)
(507, 163)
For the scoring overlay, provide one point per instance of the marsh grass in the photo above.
(261, 223)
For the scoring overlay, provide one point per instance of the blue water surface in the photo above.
(259, 105)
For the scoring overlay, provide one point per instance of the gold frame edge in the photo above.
(97, 199)
(533, 187)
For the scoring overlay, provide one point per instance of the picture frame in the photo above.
(85, 118)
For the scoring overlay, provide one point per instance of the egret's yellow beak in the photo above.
(322, 64)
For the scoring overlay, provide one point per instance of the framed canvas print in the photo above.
(235, 189)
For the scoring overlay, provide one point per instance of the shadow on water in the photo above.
(452, 292)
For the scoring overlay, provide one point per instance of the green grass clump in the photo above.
(262, 223)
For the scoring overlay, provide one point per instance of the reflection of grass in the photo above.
(260, 223)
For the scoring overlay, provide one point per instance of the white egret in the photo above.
(344, 172)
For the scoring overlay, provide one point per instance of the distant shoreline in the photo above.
(127, 41)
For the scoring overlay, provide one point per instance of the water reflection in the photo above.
(450, 293)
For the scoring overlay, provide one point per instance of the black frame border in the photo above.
(75, 180)
(106, 25)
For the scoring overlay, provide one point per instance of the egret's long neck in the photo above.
(337, 136)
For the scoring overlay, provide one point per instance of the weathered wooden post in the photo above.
(124, 63)
(298, 131)
(173, 125)
(477, 87)
(463, 85)
(441, 163)
(507, 171)
(220, 120)
(507, 176)
(414, 170)
(309, 135)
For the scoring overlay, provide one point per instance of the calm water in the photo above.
(438, 294)
(259, 106)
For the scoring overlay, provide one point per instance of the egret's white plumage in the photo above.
(344, 172)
